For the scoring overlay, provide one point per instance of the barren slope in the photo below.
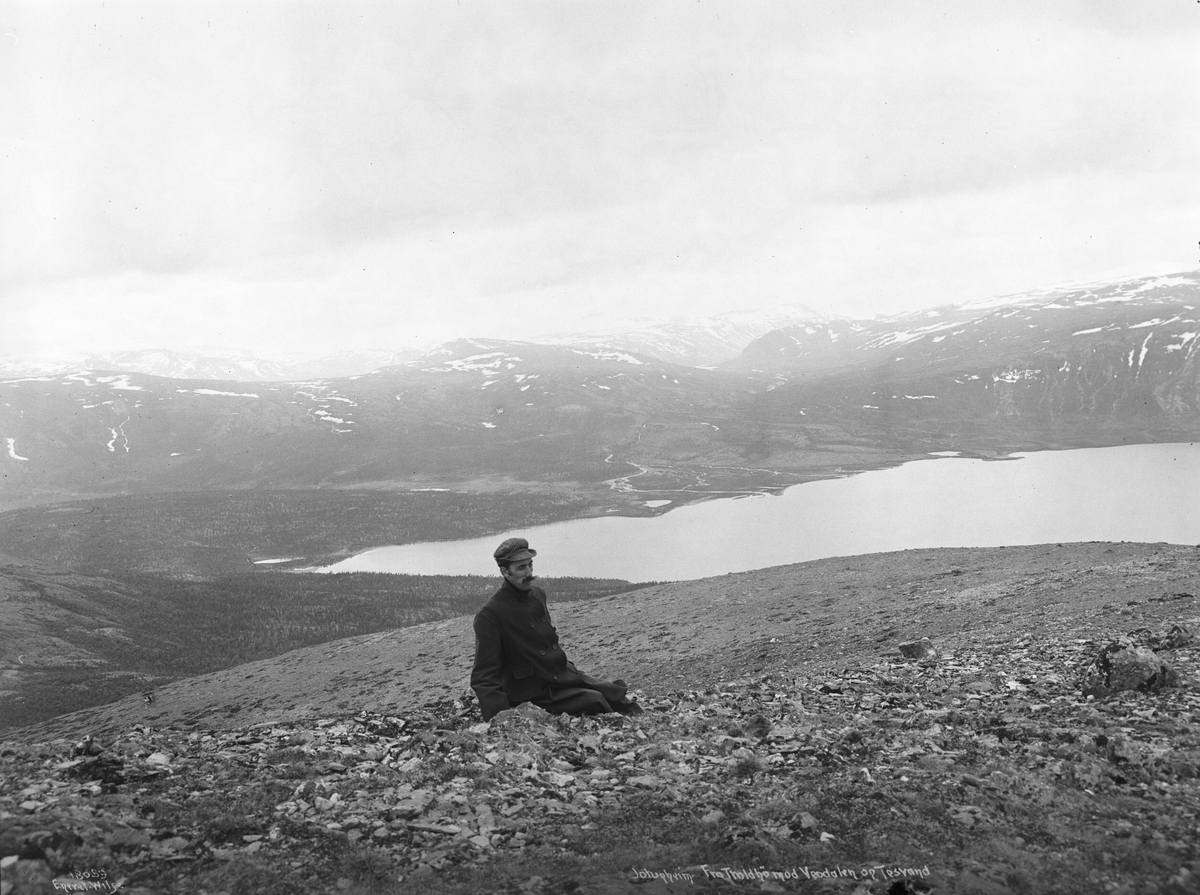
(803, 619)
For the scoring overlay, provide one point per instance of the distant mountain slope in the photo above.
(1117, 356)
(220, 365)
(697, 343)
(1090, 366)
(1155, 315)
(471, 408)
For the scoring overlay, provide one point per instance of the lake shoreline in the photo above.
(1125, 493)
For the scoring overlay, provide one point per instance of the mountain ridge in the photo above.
(1094, 367)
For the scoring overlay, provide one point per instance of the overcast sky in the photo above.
(286, 177)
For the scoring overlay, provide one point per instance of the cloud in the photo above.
(171, 163)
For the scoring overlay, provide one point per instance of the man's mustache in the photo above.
(530, 578)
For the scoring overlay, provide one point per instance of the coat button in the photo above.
(543, 652)
(556, 677)
(531, 624)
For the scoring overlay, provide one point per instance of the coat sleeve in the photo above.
(486, 679)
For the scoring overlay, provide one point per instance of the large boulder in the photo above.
(1123, 665)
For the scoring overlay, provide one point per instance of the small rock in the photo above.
(175, 843)
(919, 649)
(159, 759)
(87, 746)
(1173, 638)
(26, 875)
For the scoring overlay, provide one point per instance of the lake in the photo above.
(1147, 492)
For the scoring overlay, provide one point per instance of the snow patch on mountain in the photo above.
(901, 337)
(1015, 375)
(618, 356)
(118, 434)
(213, 391)
(490, 362)
(12, 449)
(1157, 321)
(1184, 338)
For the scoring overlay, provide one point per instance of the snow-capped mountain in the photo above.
(1091, 366)
(215, 364)
(1157, 313)
(701, 342)
(1089, 360)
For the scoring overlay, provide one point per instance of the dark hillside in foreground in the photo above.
(69, 641)
(795, 750)
(205, 533)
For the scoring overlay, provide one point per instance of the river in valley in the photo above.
(1147, 492)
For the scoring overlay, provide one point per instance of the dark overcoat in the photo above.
(517, 656)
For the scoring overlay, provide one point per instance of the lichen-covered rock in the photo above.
(1123, 665)
(24, 876)
(919, 649)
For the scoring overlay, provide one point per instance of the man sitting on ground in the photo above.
(517, 656)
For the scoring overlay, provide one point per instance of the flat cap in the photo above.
(513, 550)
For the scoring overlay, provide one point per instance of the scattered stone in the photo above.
(1000, 728)
(1173, 638)
(88, 746)
(919, 649)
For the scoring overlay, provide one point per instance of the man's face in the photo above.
(519, 574)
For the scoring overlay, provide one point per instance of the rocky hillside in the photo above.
(798, 748)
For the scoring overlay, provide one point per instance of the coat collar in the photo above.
(513, 593)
